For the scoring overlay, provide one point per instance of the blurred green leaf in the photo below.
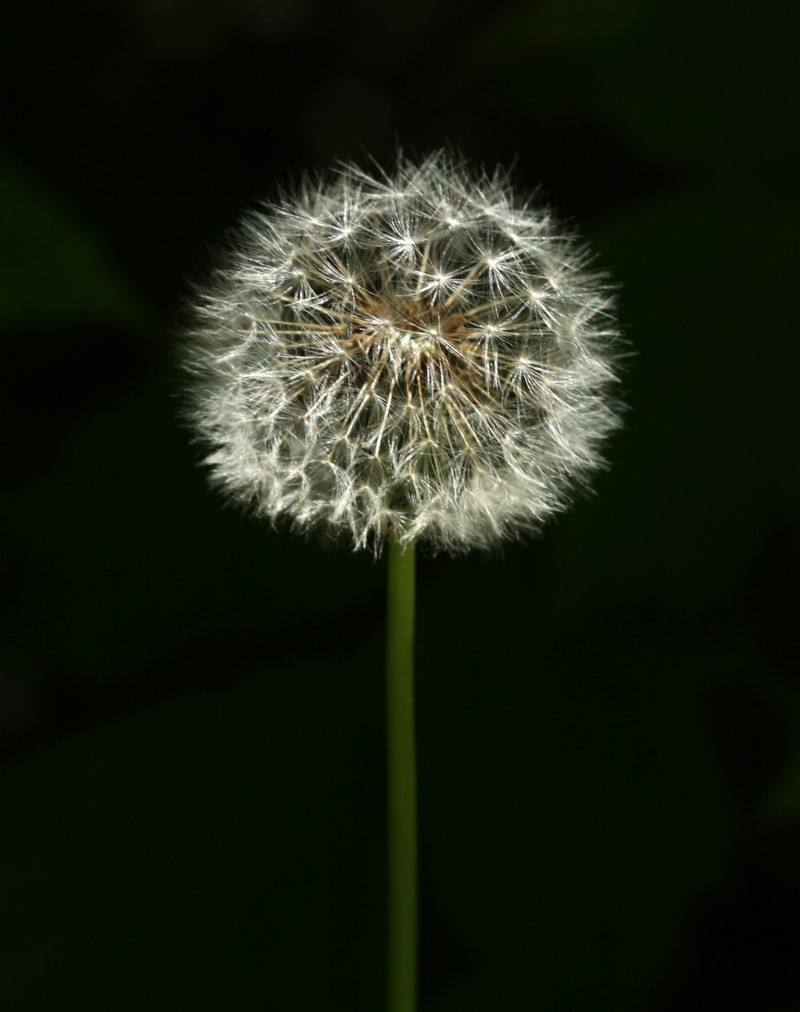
(216, 851)
(705, 289)
(710, 86)
(54, 268)
(780, 805)
(566, 26)
(700, 86)
(572, 805)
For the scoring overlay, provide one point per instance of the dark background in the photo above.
(191, 708)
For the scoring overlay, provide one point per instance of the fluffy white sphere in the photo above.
(418, 353)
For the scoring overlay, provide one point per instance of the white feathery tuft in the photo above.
(418, 353)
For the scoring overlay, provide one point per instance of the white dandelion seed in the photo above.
(417, 353)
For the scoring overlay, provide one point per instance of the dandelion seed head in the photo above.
(417, 352)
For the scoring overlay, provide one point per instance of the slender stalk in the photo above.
(402, 787)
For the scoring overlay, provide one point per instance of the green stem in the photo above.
(402, 788)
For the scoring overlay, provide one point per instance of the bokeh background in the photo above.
(191, 704)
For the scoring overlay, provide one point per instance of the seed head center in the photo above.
(409, 331)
